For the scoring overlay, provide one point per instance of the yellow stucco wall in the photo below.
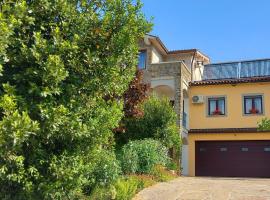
(234, 117)
(192, 138)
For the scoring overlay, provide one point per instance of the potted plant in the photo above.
(254, 111)
(217, 112)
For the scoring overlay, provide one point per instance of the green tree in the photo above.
(158, 122)
(58, 61)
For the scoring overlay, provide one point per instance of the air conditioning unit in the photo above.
(198, 99)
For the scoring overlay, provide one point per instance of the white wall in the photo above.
(184, 161)
(156, 57)
(197, 72)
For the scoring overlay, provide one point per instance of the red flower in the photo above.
(217, 112)
(254, 111)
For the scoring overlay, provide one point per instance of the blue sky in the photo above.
(225, 30)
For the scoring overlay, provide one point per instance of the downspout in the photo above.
(192, 65)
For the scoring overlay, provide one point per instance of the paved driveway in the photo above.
(197, 188)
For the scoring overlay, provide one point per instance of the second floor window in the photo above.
(253, 105)
(142, 59)
(216, 106)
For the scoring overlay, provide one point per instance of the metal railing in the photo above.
(184, 120)
(234, 70)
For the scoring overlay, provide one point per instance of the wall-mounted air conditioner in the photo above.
(198, 99)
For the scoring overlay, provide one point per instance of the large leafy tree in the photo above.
(58, 61)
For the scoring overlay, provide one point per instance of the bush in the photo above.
(161, 174)
(103, 193)
(264, 124)
(104, 174)
(172, 166)
(108, 169)
(142, 155)
(126, 188)
(158, 122)
(144, 181)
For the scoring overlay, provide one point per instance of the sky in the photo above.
(225, 30)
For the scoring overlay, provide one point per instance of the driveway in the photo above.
(198, 188)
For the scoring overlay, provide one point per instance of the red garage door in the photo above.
(232, 158)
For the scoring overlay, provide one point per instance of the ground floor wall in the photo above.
(184, 160)
(193, 137)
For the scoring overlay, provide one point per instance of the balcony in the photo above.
(237, 70)
(184, 120)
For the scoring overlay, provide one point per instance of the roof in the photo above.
(231, 81)
(226, 130)
(177, 51)
(243, 60)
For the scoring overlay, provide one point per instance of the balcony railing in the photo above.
(234, 70)
(184, 120)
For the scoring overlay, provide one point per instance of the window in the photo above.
(253, 104)
(223, 149)
(172, 103)
(244, 149)
(267, 149)
(216, 106)
(202, 149)
(142, 59)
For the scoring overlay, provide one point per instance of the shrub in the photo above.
(161, 174)
(144, 180)
(158, 122)
(107, 169)
(140, 156)
(126, 188)
(264, 125)
(103, 193)
(172, 166)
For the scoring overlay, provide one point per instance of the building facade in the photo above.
(169, 74)
(218, 106)
(225, 109)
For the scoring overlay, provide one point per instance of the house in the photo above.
(224, 110)
(169, 74)
(218, 108)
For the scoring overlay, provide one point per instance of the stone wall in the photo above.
(179, 72)
(173, 68)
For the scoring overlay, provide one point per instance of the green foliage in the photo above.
(144, 181)
(161, 174)
(126, 188)
(158, 122)
(58, 60)
(142, 155)
(107, 169)
(123, 189)
(264, 125)
(172, 166)
(103, 193)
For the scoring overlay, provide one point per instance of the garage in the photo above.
(232, 158)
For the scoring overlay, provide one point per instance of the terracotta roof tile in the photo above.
(226, 130)
(231, 81)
